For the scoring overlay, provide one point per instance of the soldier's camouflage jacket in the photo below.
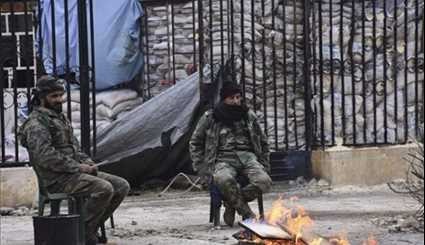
(205, 141)
(53, 149)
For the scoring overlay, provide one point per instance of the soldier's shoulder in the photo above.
(207, 117)
(28, 125)
(35, 119)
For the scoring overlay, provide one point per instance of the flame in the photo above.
(339, 241)
(317, 241)
(295, 220)
(371, 241)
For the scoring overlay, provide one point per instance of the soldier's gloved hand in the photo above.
(95, 169)
(88, 162)
(85, 168)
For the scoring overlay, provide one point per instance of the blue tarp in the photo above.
(118, 54)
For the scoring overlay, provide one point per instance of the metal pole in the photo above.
(201, 48)
(307, 82)
(84, 76)
(93, 77)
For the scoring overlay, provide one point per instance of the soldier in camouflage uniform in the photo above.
(228, 142)
(56, 157)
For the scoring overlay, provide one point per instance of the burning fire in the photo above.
(298, 223)
(294, 220)
(370, 241)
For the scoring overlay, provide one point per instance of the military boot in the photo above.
(91, 239)
(229, 215)
(245, 211)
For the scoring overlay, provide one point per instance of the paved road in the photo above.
(175, 219)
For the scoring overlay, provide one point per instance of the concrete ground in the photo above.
(183, 219)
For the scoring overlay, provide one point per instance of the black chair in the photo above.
(216, 201)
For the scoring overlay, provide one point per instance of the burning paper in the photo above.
(285, 225)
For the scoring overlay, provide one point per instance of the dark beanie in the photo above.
(48, 84)
(229, 89)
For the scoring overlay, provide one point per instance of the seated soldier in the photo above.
(56, 156)
(228, 142)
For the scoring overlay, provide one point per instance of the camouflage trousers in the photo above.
(225, 177)
(107, 192)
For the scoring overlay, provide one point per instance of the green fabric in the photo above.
(225, 178)
(107, 192)
(205, 141)
(235, 138)
(53, 149)
(55, 154)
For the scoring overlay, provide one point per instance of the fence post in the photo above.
(84, 76)
(2, 116)
(201, 51)
(307, 78)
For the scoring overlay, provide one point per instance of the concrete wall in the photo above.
(361, 166)
(18, 187)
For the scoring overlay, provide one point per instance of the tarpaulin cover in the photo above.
(151, 141)
(118, 56)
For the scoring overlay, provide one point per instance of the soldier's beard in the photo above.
(57, 107)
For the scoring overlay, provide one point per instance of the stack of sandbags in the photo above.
(374, 77)
(269, 62)
(110, 105)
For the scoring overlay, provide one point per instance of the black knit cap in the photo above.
(229, 89)
(48, 84)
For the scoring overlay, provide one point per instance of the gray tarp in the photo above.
(151, 140)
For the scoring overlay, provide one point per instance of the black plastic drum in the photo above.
(56, 230)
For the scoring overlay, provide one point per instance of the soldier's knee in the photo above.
(223, 179)
(264, 183)
(106, 190)
(124, 187)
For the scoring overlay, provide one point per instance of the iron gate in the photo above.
(20, 62)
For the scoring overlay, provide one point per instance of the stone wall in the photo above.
(361, 166)
(161, 64)
(18, 187)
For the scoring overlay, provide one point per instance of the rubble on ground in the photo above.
(312, 185)
(20, 211)
(4, 211)
(399, 223)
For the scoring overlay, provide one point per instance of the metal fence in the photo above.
(169, 42)
(271, 47)
(317, 73)
(324, 73)
(367, 71)
(21, 62)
